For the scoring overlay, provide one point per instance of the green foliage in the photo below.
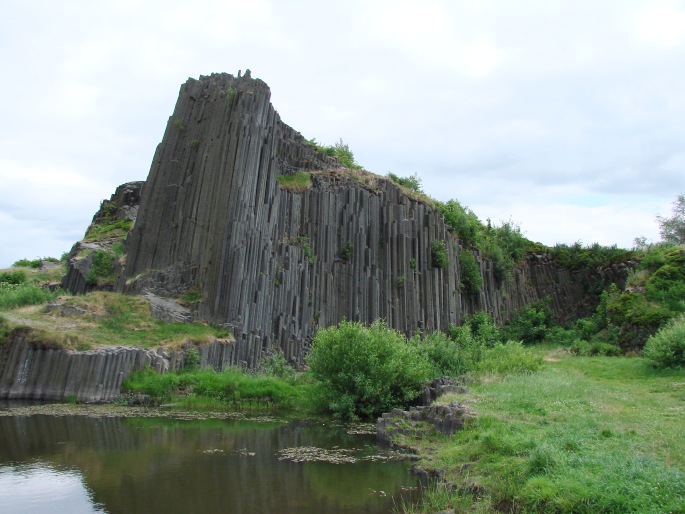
(178, 122)
(483, 328)
(276, 366)
(666, 348)
(194, 144)
(230, 94)
(12, 277)
(471, 278)
(346, 252)
(365, 371)
(505, 245)
(412, 182)
(340, 150)
(35, 263)
(673, 229)
(578, 256)
(108, 229)
(232, 387)
(102, 270)
(439, 254)
(412, 263)
(463, 220)
(529, 325)
(191, 359)
(587, 349)
(296, 182)
(446, 356)
(401, 279)
(303, 242)
(25, 293)
(508, 358)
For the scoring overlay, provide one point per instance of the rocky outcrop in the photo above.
(273, 264)
(38, 371)
(121, 207)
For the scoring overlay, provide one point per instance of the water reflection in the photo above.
(148, 465)
(39, 488)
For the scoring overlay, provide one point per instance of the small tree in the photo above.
(672, 229)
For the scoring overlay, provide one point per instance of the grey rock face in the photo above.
(213, 218)
(38, 371)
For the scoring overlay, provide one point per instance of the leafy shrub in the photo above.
(444, 354)
(508, 358)
(191, 359)
(26, 293)
(412, 182)
(102, 269)
(439, 254)
(578, 256)
(471, 278)
(25, 263)
(108, 229)
(463, 220)
(483, 328)
(470, 347)
(276, 366)
(346, 252)
(585, 348)
(13, 277)
(364, 371)
(529, 325)
(666, 348)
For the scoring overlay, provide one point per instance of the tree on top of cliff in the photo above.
(672, 229)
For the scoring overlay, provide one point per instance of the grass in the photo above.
(297, 182)
(110, 319)
(108, 229)
(585, 434)
(232, 388)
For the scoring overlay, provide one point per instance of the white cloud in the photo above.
(552, 113)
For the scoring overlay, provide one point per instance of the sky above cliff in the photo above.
(566, 117)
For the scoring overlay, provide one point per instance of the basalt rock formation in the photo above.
(274, 264)
(35, 370)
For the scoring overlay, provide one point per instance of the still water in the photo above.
(79, 464)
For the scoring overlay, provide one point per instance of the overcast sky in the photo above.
(567, 117)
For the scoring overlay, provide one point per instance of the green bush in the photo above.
(439, 254)
(364, 371)
(346, 252)
(509, 358)
(412, 182)
(444, 354)
(26, 293)
(529, 325)
(463, 220)
(586, 348)
(13, 277)
(102, 270)
(666, 348)
(471, 278)
(483, 328)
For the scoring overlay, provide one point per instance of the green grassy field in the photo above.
(585, 434)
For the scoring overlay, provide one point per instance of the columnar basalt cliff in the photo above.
(274, 264)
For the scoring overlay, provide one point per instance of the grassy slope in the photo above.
(586, 434)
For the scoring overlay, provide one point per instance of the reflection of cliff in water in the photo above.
(160, 465)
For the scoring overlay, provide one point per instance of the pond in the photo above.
(83, 462)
